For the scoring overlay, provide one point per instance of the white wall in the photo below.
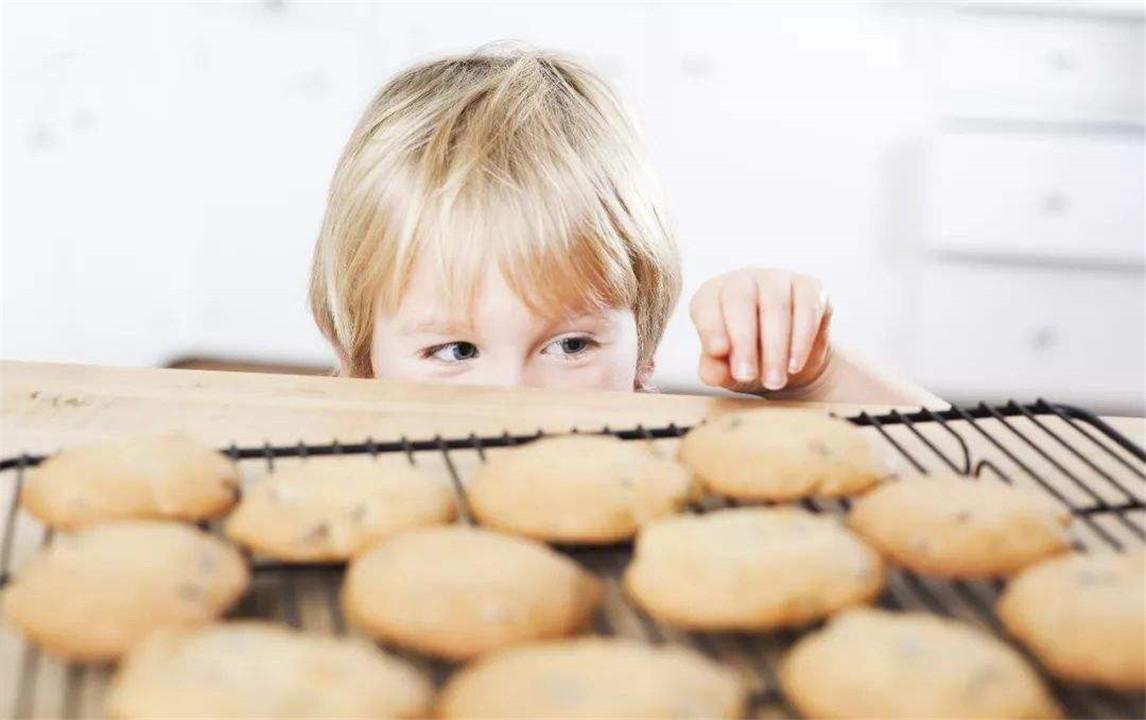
(165, 167)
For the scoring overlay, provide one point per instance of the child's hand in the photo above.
(761, 330)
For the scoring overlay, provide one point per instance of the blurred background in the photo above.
(966, 177)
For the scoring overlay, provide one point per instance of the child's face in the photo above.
(501, 342)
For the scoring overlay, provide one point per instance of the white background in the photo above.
(165, 167)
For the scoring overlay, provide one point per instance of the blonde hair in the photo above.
(517, 156)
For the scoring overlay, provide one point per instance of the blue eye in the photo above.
(572, 346)
(569, 347)
(453, 352)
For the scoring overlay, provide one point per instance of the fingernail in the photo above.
(793, 367)
(744, 371)
(775, 380)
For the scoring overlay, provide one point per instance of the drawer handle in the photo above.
(1044, 338)
(1055, 203)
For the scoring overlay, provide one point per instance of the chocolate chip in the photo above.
(318, 533)
(819, 448)
(358, 512)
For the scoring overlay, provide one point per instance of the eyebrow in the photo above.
(445, 326)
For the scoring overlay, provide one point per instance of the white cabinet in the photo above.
(1029, 281)
(1043, 68)
(1038, 196)
(989, 332)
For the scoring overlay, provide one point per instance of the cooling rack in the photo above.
(1062, 451)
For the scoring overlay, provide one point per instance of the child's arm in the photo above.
(766, 332)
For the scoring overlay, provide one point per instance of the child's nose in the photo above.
(507, 374)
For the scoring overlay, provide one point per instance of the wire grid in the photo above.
(1065, 452)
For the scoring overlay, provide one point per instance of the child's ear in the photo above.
(644, 375)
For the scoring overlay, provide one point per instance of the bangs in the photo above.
(555, 243)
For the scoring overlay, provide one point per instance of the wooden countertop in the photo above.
(45, 406)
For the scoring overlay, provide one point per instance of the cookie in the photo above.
(1083, 616)
(876, 664)
(162, 478)
(261, 670)
(93, 595)
(455, 592)
(329, 509)
(587, 489)
(780, 454)
(750, 569)
(958, 527)
(594, 678)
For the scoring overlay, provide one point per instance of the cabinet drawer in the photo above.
(1120, 9)
(1037, 196)
(1043, 68)
(991, 332)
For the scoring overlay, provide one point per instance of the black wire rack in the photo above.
(1063, 451)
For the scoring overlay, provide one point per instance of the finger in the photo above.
(818, 355)
(808, 304)
(709, 320)
(775, 333)
(738, 304)
(715, 372)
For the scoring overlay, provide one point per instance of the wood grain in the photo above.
(47, 406)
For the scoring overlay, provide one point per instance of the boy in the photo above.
(493, 220)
